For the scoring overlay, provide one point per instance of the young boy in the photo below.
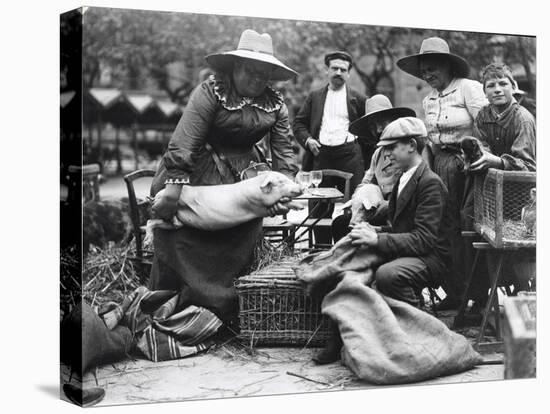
(507, 132)
(415, 244)
(382, 171)
(506, 129)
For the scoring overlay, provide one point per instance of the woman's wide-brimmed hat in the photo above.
(376, 106)
(254, 46)
(434, 46)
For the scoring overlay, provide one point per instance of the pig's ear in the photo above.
(267, 184)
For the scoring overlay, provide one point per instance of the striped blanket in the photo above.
(160, 332)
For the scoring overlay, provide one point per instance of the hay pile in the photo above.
(266, 253)
(512, 230)
(105, 275)
(108, 275)
(70, 277)
(516, 230)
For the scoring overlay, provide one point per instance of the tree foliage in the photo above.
(139, 47)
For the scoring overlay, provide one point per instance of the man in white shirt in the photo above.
(321, 127)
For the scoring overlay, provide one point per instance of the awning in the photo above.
(66, 98)
(125, 109)
(105, 97)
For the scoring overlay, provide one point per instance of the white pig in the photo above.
(219, 207)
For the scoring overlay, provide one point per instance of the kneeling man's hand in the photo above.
(363, 234)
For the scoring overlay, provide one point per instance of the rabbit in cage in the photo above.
(529, 213)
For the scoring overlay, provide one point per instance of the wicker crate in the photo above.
(275, 309)
(520, 337)
(498, 200)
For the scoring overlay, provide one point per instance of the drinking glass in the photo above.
(316, 178)
(304, 179)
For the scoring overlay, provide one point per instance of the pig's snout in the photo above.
(285, 191)
(277, 183)
(294, 189)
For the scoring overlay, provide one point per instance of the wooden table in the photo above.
(326, 196)
(495, 276)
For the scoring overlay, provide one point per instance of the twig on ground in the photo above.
(260, 381)
(218, 389)
(309, 379)
(253, 392)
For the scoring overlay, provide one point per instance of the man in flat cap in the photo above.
(416, 245)
(321, 127)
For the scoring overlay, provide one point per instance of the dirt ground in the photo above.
(224, 373)
(231, 371)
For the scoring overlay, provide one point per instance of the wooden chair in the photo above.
(327, 222)
(83, 183)
(276, 229)
(143, 257)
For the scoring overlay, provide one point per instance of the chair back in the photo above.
(135, 208)
(346, 176)
(83, 183)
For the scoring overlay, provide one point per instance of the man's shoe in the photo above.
(327, 356)
(477, 307)
(447, 304)
(331, 352)
(83, 397)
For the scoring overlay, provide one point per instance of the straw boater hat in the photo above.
(434, 46)
(254, 46)
(402, 129)
(378, 105)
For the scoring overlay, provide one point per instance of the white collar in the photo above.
(409, 173)
(453, 85)
(337, 91)
(405, 178)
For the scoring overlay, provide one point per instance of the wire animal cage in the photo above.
(274, 309)
(499, 198)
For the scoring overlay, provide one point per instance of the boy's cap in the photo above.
(402, 128)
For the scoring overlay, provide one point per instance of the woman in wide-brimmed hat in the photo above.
(213, 143)
(450, 109)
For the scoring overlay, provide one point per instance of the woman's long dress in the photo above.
(203, 264)
(450, 115)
